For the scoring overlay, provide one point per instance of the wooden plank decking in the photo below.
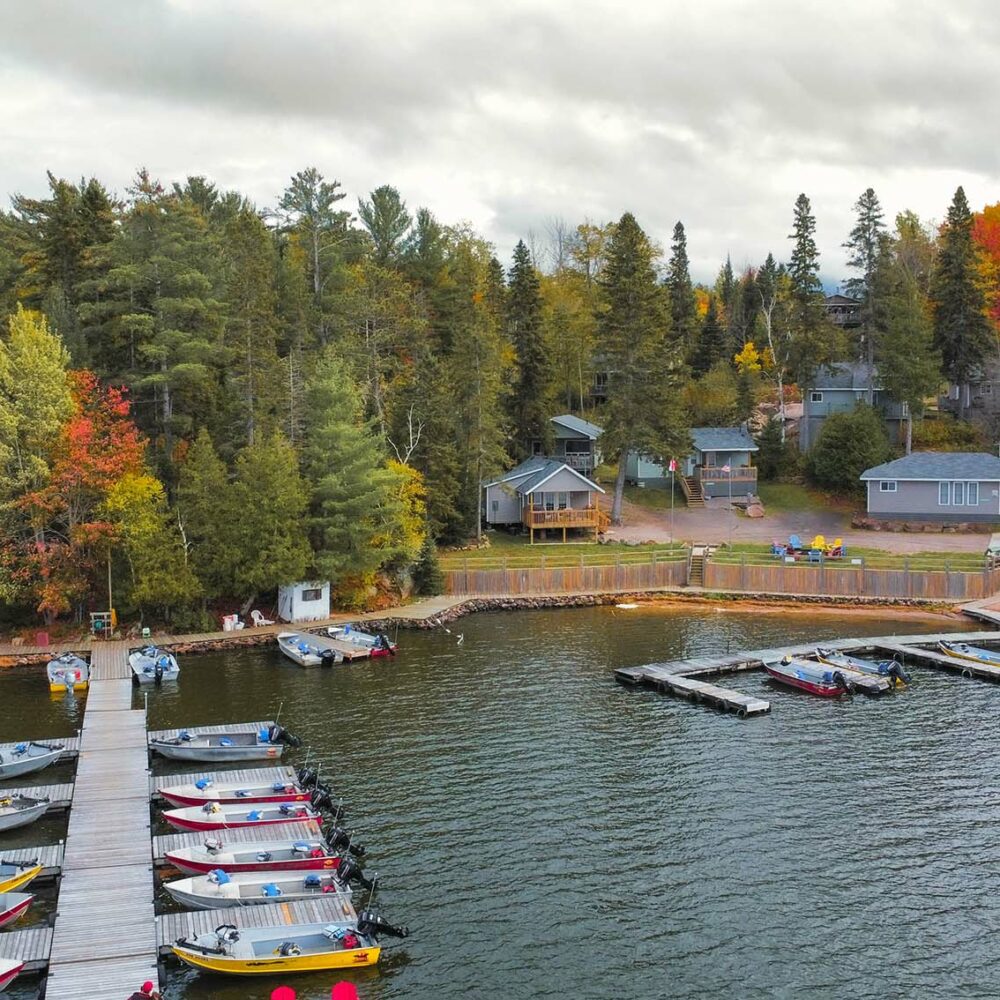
(59, 796)
(107, 881)
(49, 857)
(30, 946)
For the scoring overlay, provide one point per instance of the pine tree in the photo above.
(863, 252)
(387, 221)
(961, 330)
(712, 341)
(803, 268)
(533, 385)
(428, 580)
(643, 394)
(680, 291)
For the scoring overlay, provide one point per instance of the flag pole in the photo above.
(673, 467)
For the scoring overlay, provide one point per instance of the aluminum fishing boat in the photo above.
(151, 665)
(212, 816)
(19, 810)
(809, 676)
(229, 792)
(68, 672)
(283, 949)
(308, 650)
(13, 905)
(9, 970)
(265, 744)
(219, 889)
(17, 874)
(963, 651)
(377, 644)
(889, 669)
(24, 758)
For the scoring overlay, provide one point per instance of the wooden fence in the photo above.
(620, 576)
(845, 580)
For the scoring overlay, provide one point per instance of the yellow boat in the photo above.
(286, 949)
(16, 876)
(68, 672)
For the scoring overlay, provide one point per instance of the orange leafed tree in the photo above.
(986, 236)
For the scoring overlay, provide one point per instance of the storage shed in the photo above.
(304, 602)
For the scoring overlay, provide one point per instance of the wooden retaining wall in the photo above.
(847, 581)
(626, 577)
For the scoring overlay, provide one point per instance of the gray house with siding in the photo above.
(543, 494)
(838, 388)
(941, 486)
(575, 443)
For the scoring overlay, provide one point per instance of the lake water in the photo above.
(545, 832)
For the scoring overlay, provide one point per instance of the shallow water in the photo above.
(548, 833)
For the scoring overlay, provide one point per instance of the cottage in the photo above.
(978, 399)
(935, 486)
(843, 311)
(838, 388)
(719, 464)
(575, 443)
(541, 494)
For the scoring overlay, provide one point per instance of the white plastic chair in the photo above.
(258, 619)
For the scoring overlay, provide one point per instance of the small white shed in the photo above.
(304, 602)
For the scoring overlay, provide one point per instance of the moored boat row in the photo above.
(832, 674)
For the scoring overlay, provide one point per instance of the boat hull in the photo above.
(13, 906)
(9, 971)
(23, 817)
(194, 866)
(189, 896)
(970, 653)
(265, 751)
(813, 687)
(184, 800)
(19, 879)
(14, 767)
(353, 958)
(213, 822)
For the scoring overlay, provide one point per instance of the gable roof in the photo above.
(533, 472)
(938, 465)
(722, 439)
(843, 375)
(841, 300)
(578, 426)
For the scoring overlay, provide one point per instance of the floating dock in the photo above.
(684, 678)
(59, 796)
(49, 857)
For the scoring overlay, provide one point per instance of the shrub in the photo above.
(428, 580)
(775, 458)
(848, 444)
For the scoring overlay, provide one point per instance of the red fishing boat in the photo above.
(816, 678)
(213, 816)
(229, 793)
(13, 905)
(9, 969)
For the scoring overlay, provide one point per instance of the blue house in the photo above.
(575, 443)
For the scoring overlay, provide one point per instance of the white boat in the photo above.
(151, 665)
(23, 758)
(219, 889)
(9, 969)
(265, 744)
(204, 790)
(308, 650)
(377, 644)
(19, 810)
(213, 816)
(13, 906)
(68, 672)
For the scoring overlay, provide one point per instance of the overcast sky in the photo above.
(714, 112)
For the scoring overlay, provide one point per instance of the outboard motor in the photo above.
(278, 734)
(897, 672)
(842, 682)
(320, 799)
(350, 871)
(307, 776)
(158, 671)
(371, 924)
(213, 845)
(338, 838)
(327, 658)
(385, 644)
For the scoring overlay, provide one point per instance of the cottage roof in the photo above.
(938, 465)
(843, 375)
(578, 426)
(841, 300)
(533, 472)
(722, 439)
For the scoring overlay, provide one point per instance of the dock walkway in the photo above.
(104, 939)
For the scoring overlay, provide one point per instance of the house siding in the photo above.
(508, 504)
(563, 482)
(843, 401)
(919, 502)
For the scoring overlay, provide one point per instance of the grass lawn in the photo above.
(654, 499)
(794, 497)
(760, 553)
(515, 552)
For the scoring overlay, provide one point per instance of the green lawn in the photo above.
(794, 497)
(653, 499)
(759, 553)
(514, 552)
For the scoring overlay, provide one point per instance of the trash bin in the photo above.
(41, 638)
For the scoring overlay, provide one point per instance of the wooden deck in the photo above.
(241, 835)
(71, 750)
(49, 857)
(59, 796)
(242, 776)
(104, 940)
(673, 677)
(326, 909)
(31, 946)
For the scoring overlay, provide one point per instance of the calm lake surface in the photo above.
(547, 833)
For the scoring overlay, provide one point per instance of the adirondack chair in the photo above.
(258, 619)
(795, 543)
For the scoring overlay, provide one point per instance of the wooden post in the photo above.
(909, 580)
(465, 562)
(743, 571)
(947, 578)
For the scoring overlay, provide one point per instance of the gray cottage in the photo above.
(838, 388)
(576, 443)
(946, 486)
(542, 494)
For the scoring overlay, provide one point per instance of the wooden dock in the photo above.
(49, 857)
(676, 676)
(241, 835)
(104, 939)
(59, 796)
(31, 946)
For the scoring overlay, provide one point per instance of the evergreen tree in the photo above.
(713, 345)
(849, 443)
(803, 268)
(863, 252)
(642, 412)
(680, 292)
(961, 330)
(428, 580)
(530, 398)
(387, 221)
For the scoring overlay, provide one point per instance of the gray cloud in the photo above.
(507, 115)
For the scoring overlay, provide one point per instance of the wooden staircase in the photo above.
(692, 491)
(696, 567)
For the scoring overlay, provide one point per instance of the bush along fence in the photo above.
(657, 571)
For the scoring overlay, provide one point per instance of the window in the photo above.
(986, 389)
(563, 501)
(958, 494)
(887, 486)
(944, 494)
(312, 595)
(972, 494)
(495, 507)
(815, 397)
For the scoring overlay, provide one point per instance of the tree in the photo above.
(961, 330)
(848, 443)
(680, 292)
(642, 412)
(772, 456)
(712, 341)
(863, 252)
(428, 580)
(803, 267)
(531, 394)
(387, 221)
(712, 400)
(986, 237)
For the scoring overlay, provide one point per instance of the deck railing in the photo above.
(716, 474)
(581, 461)
(568, 517)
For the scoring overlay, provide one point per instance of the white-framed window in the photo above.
(972, 494)
(986, 388)
(815, 397)
(944, 494)
(312, 595)
(887, 486)
(958, 494)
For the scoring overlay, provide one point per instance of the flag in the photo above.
(672, 467)
(726, 469)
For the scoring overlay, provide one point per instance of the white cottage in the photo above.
(304, 602)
